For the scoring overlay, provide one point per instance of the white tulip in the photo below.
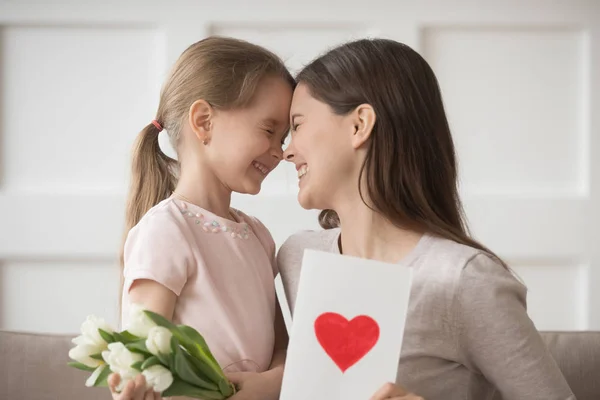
(138, 323)
(90, 327)
(90, 342)
(159, 340)
(95, 375)
(82, 352)
(158, 377)
(120, 360)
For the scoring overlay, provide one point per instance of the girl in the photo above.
(370, 140)
(188, 255)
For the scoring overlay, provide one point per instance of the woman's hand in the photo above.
(392, 391)
(256, 385)
(133, 390)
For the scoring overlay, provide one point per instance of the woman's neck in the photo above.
(368, 234)
(203, 189)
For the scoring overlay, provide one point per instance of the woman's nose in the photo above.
(288, 154)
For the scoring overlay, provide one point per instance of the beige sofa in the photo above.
(33, 366)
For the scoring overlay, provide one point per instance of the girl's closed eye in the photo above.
(268, 127)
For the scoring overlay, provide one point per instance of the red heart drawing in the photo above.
(346, 342)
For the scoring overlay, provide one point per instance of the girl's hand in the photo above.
(392, 391)
(134, 390)
(256, 385)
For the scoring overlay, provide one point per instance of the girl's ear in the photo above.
(200, 119)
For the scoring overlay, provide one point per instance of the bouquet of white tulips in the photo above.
(174, 359)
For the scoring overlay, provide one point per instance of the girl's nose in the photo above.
(277, 153)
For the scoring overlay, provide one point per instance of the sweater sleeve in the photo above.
(498, 339)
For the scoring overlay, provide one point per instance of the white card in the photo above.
(347, 327)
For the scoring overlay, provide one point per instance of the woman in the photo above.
(372, 147)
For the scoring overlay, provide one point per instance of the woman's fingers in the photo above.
(389, 390)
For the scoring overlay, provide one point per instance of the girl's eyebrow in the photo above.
(269, 121)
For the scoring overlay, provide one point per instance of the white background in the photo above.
(79, 79)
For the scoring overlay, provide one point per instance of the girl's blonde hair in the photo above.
(225, 72)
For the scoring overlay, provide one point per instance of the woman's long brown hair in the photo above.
(410, 169)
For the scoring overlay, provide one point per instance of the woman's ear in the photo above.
(200, 119)
(364, 120)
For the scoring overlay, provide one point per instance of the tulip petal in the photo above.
(91, 381)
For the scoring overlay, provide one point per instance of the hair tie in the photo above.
(157, 125)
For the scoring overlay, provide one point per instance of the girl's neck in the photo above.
(205, 191)
(368, 234)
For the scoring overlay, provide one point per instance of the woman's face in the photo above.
(321, 148)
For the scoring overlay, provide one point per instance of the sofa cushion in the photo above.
(34, 367)
(578, 356)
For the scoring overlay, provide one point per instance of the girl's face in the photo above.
(323, 151)
(245, 145)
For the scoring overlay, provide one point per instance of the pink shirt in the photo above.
(222, 272)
